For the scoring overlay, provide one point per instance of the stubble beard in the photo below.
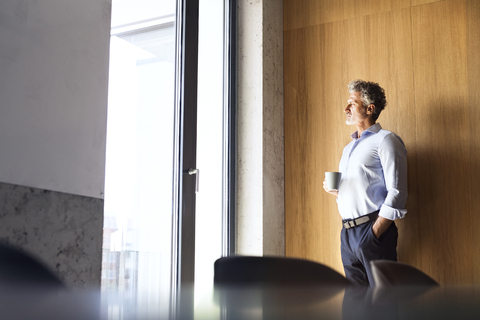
(350, 121)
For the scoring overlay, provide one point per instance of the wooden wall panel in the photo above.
(473, 70)
(296, 176)
(421, 2)
(441, 101)
(305, 13)
(427, 59)
(315, 129)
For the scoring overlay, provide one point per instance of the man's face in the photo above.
(355, 111)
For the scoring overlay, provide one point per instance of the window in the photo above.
(138, 188)
(141, 226)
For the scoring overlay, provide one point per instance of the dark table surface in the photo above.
(305, 302)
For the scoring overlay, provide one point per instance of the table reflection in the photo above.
(249, 302)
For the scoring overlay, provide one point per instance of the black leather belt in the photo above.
(347, 224)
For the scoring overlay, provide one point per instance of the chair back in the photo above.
(244, 270)
(388, 273)
(18, 268)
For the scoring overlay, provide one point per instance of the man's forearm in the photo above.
(380, 225)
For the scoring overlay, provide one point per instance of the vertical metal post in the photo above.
(229, 128)
(183, 248)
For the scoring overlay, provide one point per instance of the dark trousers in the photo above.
(359, 247)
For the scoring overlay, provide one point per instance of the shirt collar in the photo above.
(372, 130)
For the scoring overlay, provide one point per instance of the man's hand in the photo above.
(380, 225)
(333, 192)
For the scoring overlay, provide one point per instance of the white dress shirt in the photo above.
(374, 175)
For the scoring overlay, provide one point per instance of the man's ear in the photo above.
(370, 108)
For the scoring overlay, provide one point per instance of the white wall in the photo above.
(53, 94)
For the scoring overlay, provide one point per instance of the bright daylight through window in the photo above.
(138, 183)
(137, 246)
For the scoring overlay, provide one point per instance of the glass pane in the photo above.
(208, 242)
(138, 183)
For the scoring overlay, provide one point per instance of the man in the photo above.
(373, 188)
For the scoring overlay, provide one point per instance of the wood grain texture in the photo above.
(305, 13)
(422, 2)
(427, 59)
(443, 160)
(473, 70)
(316, 76)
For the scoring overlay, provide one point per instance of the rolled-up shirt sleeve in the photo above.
(393, 157)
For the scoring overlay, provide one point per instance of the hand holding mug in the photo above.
(331, 184)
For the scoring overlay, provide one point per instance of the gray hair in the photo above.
(371, 93)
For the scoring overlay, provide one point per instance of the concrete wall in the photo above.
(260, 209)
(53, 109)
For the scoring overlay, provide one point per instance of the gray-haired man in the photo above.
(373, 189)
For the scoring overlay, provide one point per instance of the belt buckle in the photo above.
(351, 223)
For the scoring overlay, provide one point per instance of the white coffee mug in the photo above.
(333, 180)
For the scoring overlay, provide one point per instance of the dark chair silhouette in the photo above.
(18, 268)
(252, 270)
(388, 273)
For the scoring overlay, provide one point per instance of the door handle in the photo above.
(195, 172)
